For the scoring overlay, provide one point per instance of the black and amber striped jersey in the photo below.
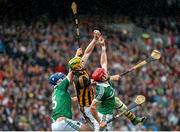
(85, 92)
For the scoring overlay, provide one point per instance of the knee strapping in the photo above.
(119, 105)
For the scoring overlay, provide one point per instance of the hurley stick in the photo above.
(74, 10)
(155, 55)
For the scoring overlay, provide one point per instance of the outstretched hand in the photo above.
(79, 52)
(96, 34)
(101, 40)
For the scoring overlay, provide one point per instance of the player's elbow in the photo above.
(92, 109)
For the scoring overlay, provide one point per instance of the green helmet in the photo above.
(75, 63)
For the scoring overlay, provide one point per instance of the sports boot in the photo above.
(137, 120)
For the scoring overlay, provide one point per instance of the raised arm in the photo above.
(79, 52)
(91, 46)
(70, 76)
(103, 59)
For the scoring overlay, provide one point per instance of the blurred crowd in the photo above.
(30, 53)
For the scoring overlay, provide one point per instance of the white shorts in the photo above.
(66, 125)
(91, 117)
(106, 118)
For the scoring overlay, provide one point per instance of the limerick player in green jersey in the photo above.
(61, 105)
(105, 101)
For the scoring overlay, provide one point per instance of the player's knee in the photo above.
(119, 105)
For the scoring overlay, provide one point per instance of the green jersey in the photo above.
(61, 101)
(106, 98)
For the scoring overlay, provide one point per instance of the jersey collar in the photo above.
(103, 84)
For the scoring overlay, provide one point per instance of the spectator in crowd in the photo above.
(30, 53)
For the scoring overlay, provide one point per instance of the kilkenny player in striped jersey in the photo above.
(82, 81)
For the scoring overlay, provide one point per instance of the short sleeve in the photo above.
(99, 93)
(64, 84)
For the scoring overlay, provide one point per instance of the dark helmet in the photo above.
(55, 77)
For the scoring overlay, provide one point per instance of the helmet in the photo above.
(75, 63)
(98, 74)
(55, 77)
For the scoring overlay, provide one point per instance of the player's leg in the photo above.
(59, 126)
(77, 126)
(92, 119)
(133, 118)
(69, 125)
